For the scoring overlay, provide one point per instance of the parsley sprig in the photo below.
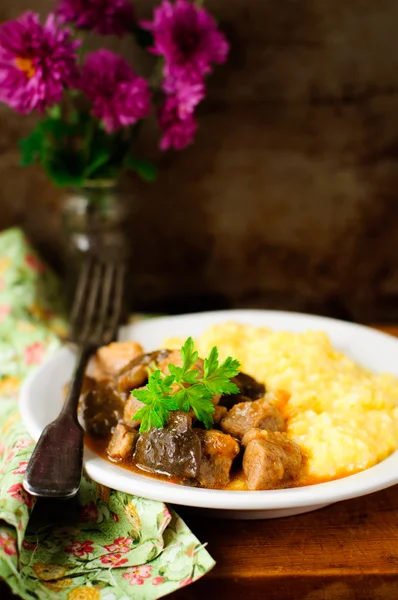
(194, 393)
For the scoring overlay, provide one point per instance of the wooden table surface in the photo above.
(347, 551)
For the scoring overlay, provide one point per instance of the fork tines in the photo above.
(98, 303)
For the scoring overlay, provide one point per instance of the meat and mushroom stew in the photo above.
(213, 427)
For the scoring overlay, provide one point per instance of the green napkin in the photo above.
(105, 545)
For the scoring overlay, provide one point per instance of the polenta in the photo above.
(344, 417)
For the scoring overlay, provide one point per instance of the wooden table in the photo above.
(348, 551)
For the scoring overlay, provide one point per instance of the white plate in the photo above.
(41, 399)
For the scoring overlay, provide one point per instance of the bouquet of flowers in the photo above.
(92, 103)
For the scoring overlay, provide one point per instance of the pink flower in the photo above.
(20, 470)
(8, 543)
(137, 575)
(188, 38)
(36, 62)
(29, 546)
(115, 560)
(185, 582)
(120, 98)
(23, 443)
(187, 95)
(114, 17)
(178, 133)
(17, 491)
(89, 513)
(157, 580)
(122, 544)
(80, 548)
(191, 550)
(5, 310)
(34, 353)
(34, 263)
(11, 455)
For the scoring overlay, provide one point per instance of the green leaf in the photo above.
(144, 169)
(54, 112)
(182, 399)
(157, 418)
(140, 414)
(60, 173)
(191, 376)
(211, 363)
(221, 386)
(168, 380)
(188, 355)
(170, 403)
(56, 129)
(99, 158)
(175, 372)
(200, 401)
(32, 147)
(143, 396)
(217, 378)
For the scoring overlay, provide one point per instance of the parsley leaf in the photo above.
(158, 401)
(217, 378)
(195, 393)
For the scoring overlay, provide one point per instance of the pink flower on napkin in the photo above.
(29, 546)
(89, 513)
(5, 310)
(20, 470)
(122, 544)
(8, 543)
(185, 582)
(115, 560)
(137, 575)
(34, 263)
(157, 580)
(11, 455)
(23, 443)
(191, 550)
(17, 491)
(80, 548)
(34, 353)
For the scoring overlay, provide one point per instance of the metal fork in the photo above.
(55, 467)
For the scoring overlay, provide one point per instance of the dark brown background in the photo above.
(289, 197)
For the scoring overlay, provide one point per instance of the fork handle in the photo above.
(55, 467)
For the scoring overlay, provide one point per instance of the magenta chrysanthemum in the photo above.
(36, 62)
(119, 96)
(187, 96)
(106, 17)
(177, 132)
(188, 38)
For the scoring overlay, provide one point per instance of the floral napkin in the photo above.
(104, 545)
